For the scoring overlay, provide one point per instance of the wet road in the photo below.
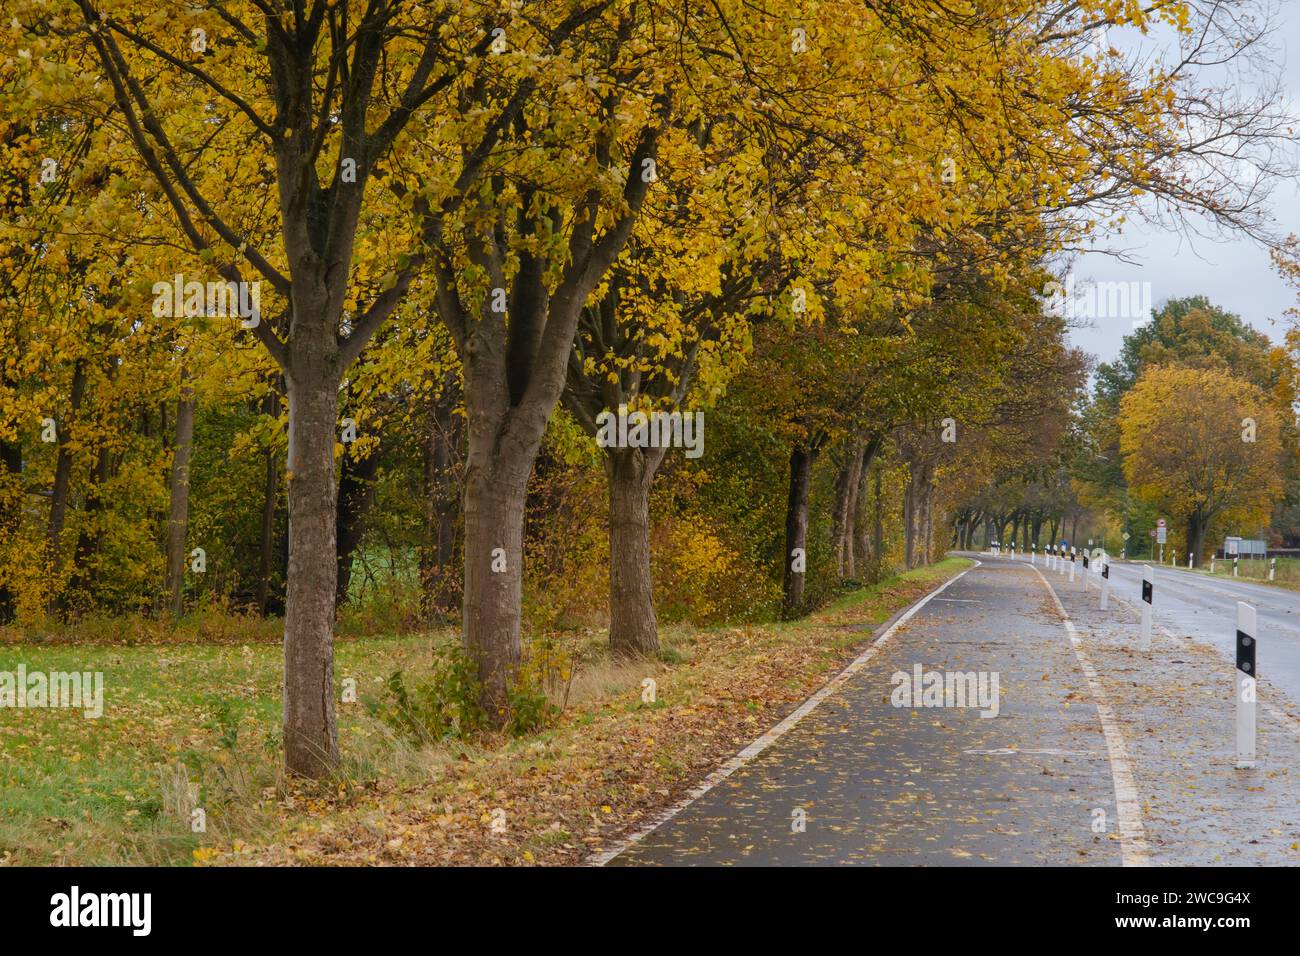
(1204, 608)
(863, 780)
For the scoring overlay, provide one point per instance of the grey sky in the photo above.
(1236, 273)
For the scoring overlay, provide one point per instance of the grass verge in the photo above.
(196, 728)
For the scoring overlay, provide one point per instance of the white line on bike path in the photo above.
(1132, 835)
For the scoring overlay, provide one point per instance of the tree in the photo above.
(312, 102)
(1203, 445)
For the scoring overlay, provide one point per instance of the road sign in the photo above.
(1152, 532)
(1161, 533)
(1160, 523)
(1125, 535)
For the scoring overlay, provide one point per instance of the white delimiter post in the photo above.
(1148, 587)
(1246, 667)
(1072, 565)
(1272, 567)
(1086, 572)
(1033, 553)
(1105, 583)
(1234, 566)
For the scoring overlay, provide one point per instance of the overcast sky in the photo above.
(1235, 273)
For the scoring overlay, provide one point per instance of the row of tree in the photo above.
(822, 224)
(1194, 423)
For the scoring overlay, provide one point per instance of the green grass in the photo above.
(1255, 569)
(76, 789)
(112, 790)
(873, 603)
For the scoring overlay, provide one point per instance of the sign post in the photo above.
(1148, 587)
(1246, 669)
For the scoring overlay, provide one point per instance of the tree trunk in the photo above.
(909, 521)
(310, 731)
(859, 532)
(1196, 529)
(494, 533)
(796, 530)
(846, 489)
(178, 514)
(928, 539)
(63, 470)
(862, 553)
(633, 627)
(878, 525)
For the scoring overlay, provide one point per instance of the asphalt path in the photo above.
(862, 780)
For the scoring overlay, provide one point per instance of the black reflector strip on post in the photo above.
(1146, 591)
(1245, 653)
(1105, 570)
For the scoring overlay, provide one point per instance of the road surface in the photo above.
(1195, 605)
(1097, 755)
(883, 784)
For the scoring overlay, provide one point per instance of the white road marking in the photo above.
(1132, 834)
(777, 732)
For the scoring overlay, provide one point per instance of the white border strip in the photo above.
(777, 732)
(1132, 835)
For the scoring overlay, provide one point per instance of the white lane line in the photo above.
(1281, 716)
(1132, 835)
(777, 732)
